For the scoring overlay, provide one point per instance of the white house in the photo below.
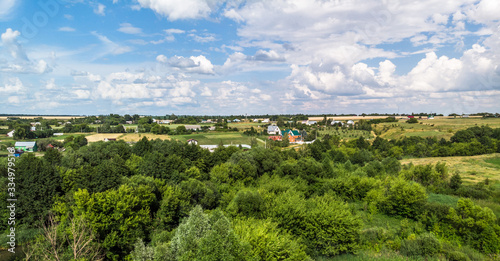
(350, 122)
(236, 120)
(265, 121)
(10, 133)
(273, 129)
(337, 122)
(193, 127)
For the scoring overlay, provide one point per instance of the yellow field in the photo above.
(471, 168)
(136, 137)
(102, 136)
(44, 117)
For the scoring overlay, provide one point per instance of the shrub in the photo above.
(246, 203)
(422, 245)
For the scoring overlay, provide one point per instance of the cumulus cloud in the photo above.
(175, 10)
(194, 64)
(18, 62)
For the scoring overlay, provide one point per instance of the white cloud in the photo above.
(12, 85)
(99, 9)
(19, 62)
(110, 47)
(66, 29)
(68, 16)
(204, 38)
(194, 64)
(129, 29)
(6, 7)
(187, 9)
(14, 99)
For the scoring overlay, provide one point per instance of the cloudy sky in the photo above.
(209, 57)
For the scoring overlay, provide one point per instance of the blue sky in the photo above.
(210, 57)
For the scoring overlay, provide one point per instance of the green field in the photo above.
(439, 127)
(472, 169)
(215, 138)
(346, 134)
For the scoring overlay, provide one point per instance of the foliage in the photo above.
(268, 241)
(204, 237)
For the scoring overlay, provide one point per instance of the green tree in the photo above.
(118, 217)
(37, 183)
(203, 237)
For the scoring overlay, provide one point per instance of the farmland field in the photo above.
(215, 138)
(472, 169)
(439, 127)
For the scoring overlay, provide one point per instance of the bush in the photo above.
(326, 224)
(247, 203)
(422, 245)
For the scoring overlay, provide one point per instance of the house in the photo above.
(33, 128)
(273, 130)
(192, 141)
(275, 138)
(212, 128)
(350, 122)
(311, 123)
(465, 116)
(337, 123)
(265, 121)
(236, 120)
(50, 146)
(58, 134)
(27, 146)
(410, 116)
(10, 133)
(129, 122)
(293, 135)
(109, 139)
(18, 153)
(193, 127)
(255, 120)
(430, 117)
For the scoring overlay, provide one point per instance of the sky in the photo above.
(218, 57)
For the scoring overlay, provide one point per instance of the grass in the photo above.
(345, 134)
(443, 199)
(439, 127)
(214, 138)
(472, 169)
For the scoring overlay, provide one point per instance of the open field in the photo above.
(215, 138)
(134, 137)
(102, 136)
(471, 168)
(346, 134)
(439, 127)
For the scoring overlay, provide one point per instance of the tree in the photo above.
(118, 217)
(412, 121)
(203, 237)
(455, 181)
(37, 183)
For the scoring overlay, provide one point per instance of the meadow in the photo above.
(439, 127)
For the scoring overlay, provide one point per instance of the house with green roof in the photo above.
(26, 146)
(293, 135)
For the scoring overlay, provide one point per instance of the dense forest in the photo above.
(167, 200)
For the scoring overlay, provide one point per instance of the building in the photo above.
(27, 146)
(430, 117)
(10, 133)
(193, 127)
(236, 120)
(58, 134)
(293, 135)
(192, 141)
(273, 130)
(350, 122)
(265, 121)
(337, 123)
